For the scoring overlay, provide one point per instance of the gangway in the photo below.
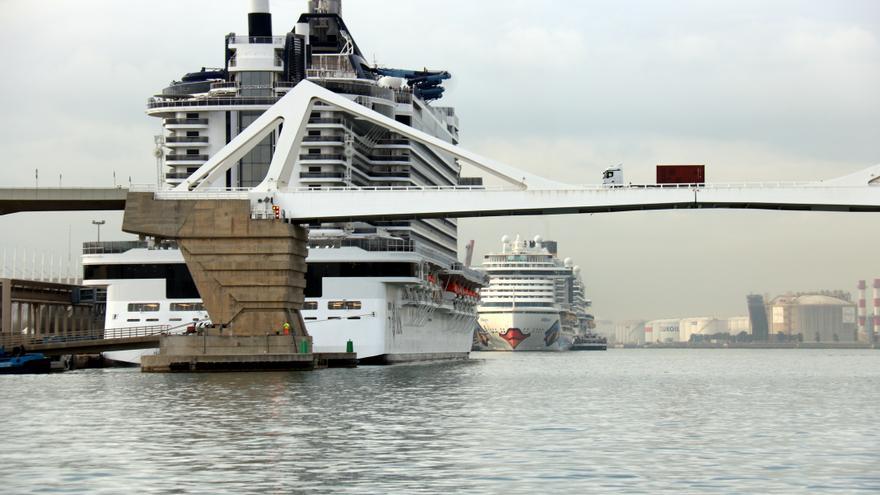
(87, 342)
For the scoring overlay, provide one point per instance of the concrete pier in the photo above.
(238, 353)
(250, 275)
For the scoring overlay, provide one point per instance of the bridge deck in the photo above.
(15, 199)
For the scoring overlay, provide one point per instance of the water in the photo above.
(639, 421)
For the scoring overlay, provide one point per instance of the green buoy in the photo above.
(349, 346)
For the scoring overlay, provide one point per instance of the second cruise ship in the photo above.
(534, 301)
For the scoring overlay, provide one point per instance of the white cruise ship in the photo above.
(534, 301)
(396, 288)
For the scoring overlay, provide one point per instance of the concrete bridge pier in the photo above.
(250, 275)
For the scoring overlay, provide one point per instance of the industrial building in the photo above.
(828, 316)
(669, 331)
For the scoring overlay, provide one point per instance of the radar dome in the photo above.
(567, 261)
(576, 269)
(505, 238)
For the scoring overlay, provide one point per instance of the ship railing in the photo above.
(588, 187)
(11, 340)
(255, 40)
(209, 101)
(112, 247)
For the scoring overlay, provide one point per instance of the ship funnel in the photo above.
(259, 18)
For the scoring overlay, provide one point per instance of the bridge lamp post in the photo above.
(98, 224)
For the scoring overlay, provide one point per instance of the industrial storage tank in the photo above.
(701, 325)
(821, 317)
(738, 324)
(662, 331)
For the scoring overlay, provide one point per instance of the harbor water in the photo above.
(629, 421)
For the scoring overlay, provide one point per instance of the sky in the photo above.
(756, 90)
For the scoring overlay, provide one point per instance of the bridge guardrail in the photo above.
(11, 340)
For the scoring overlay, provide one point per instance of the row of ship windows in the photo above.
(153, 307)
(334, 305)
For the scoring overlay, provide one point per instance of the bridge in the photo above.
(22, 199)
(248, 262)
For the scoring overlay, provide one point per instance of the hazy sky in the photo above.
(757, 90)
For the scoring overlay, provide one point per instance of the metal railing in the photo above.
(186, 139)
(389, 158)
(186, 121)
(211, 101)
(12, 340)
(319, 120)
(255, 40)
(321, 175)
(321, 157)
(186, 158)
(322, 139)
(224, 85)
(112, 247)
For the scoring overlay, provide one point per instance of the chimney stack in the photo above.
(259, 18)
(876, 326)
(861, 315)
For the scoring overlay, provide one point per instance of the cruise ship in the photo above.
(534, 301)
(395, 289)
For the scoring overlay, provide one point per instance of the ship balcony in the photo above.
(322, 176)
(172, 124)
(178, 176)
(159, 106)
(393, 175)
(186, 141)
(326, 123)
(173, 159)
(329, 140)
(388, 159)
(322, 158)
(393, 144)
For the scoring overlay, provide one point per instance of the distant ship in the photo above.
(534, 301)
(394, 288)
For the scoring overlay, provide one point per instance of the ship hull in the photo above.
(523, 331)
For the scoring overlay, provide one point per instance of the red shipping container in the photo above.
(681, 174)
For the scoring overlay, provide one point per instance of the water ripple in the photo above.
(630, 421)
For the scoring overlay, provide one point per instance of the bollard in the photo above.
(349, 346)
(304, 347)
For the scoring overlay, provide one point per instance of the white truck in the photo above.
(613, 176)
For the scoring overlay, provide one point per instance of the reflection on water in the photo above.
(626, 420)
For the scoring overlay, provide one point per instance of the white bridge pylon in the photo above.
(526, 193)
(293, 110)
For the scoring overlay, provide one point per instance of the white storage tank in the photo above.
(662, 331)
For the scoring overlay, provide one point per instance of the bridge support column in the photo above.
(249, 273)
